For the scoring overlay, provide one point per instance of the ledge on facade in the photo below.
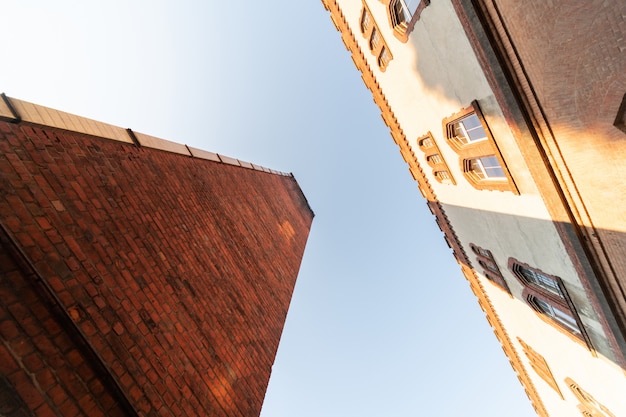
(17, 111)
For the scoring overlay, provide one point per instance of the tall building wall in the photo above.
(566, 66)
(138, 281)
(435, 77)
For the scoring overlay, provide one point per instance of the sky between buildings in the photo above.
(382, 323)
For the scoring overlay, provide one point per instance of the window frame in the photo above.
(562, 302)
(588, 406)
(375, 39)
(491, 270)
(474, 150)
(429, 147)
(540, 366)
(402, 29)
(483, 173)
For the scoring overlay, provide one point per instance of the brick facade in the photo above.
(565, 68)
(573, 59)
(138, 281)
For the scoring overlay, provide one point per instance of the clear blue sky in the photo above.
(382, 323)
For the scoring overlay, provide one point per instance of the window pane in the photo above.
(541, 280)
(469, 129)
(558, 315)
(491, 167)
(426, 143)
(384, 58)
(365, 21)
(435, 159)
(411, 6)
(374, 40)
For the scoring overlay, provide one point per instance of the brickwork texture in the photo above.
(137, 281)
(574, 58)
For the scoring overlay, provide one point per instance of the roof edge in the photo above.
(20, 111)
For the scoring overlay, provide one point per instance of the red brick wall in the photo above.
(573, 56)
(177, 271)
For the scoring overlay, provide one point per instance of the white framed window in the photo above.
(487, 167)
(469, 129)
(403, 10)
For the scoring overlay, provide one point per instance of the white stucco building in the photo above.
(534, 222)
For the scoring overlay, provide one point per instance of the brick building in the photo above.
(138, 276)
(511, 117)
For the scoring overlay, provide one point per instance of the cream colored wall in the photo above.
(431, 77)
(601, 378)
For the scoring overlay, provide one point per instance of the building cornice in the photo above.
(427, 191)
(19, 111)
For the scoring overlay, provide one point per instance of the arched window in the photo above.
(560, 315)
(490, 268)
(547, 295)
(539, 279)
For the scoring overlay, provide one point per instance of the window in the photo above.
(434, 158)
(485, 168)
(588, 406)
(366, 21)
(469, 129)
(403, 14)
(374, 40)
(535, 277)
(401, 11)
(384, 58)
(442, 176)
(490, 268)
(426, 142)
(489, 265)
(547, 295)
(564, 318)
(540, 366)
(482, 164)
(376, 43)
